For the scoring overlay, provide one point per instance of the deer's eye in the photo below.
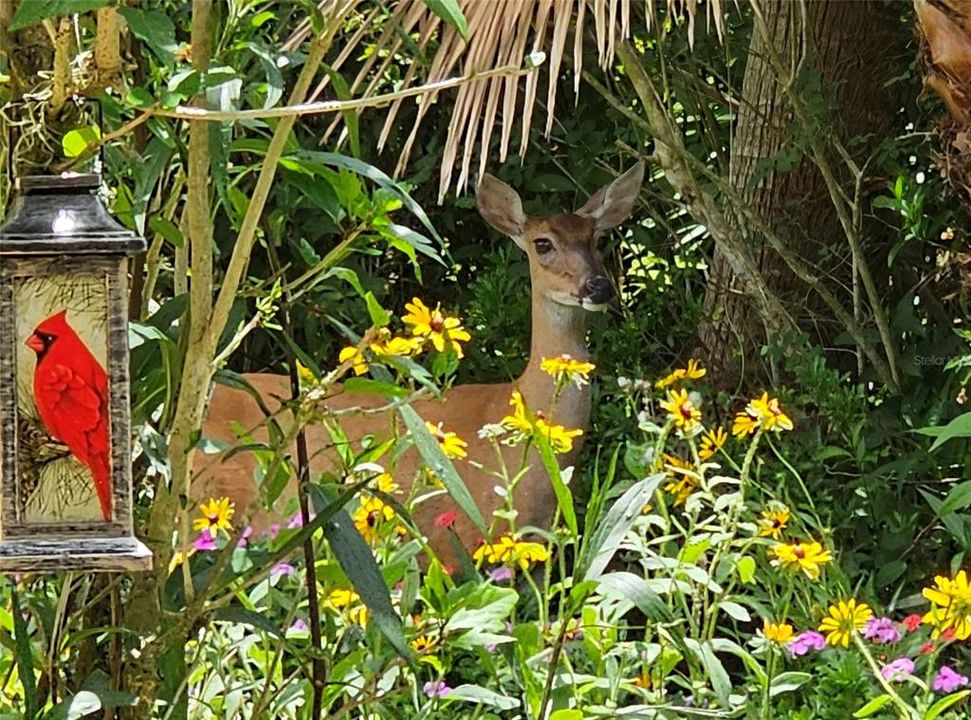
(543, 245)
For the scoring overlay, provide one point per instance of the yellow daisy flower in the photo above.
(950, 605)
(564, 367)
(807, 557)
(744, 424)
(845, 618)
(770, 412)
(214, 516)
(451, 444)
(508, 551)
(685, 415)
(353, 354)
(559, 437)
(345, 600)
(684, 480)
(711, 442)
(422, 644)
(694, 371)
(369, 516)
(496, 552)
(519, 420)
(778, 633)
(443, 331)
(773, 521)
(527, 553)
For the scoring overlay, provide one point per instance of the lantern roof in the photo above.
(54, 214)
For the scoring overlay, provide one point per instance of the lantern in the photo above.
(65, 459)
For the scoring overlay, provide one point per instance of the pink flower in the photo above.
(500, 574)
(446, 519)
(295, 522)
(282, 569)
(436, 689)
(804, 642)
(898, 670)
(299, 625)
(881, 630)
(273, 530)
(204, 542)
(947, 680)
(245, 536)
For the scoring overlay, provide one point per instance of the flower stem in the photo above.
(905, 710)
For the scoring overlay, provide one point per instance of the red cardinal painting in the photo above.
(71, 395)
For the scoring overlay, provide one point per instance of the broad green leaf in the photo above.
(77, 706)
(379, 316)
(358, 563)
(564, 497)
(567, 714)
(717, 675)
(636, 589)
(241, 616)
(167, 229)
(436, 461)
(788, 682)
(957, 499)
(614, 526)
(374, 387)
(735, 611)
(482, 696)
(31, 12)
(934, 711)
(154, 28)
(745, 566)
(959, 427)
(873, 707)
(449, 11)
(75, 142)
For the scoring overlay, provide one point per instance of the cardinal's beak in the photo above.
(35, 343)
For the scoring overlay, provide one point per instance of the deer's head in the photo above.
(565, 265)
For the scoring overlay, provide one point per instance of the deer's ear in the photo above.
(613, 203)
(500, 206)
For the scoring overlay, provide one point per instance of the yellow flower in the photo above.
(353, 355)
(808, 557)
(396, 346)
(950, 605)
(779, 634)
(349, 601)
(369, 515)
(559, 437)
(451, 444)
(844, 619)
(774, 521)
(770, 413)
(744, 424)
(684, 480)
(422, 644)
(506, 550)
(681, 410)
(445, 332)
(711, 442)
(694, 371)
(564, 367)
(519, 420)
(179, 557)
(214, 516)
(386, 483)
(306, 375)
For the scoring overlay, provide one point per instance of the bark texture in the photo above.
(842, 53)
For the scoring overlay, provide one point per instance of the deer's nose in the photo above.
(598, 289)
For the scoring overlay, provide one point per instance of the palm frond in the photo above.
(499, 33)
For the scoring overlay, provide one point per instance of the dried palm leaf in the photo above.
(499, 31)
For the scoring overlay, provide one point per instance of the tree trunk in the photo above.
(843, 52)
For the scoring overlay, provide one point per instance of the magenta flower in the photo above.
(881, 630)
(500, 574)
(273, 530)
(245, 536)
(947, 680)
(804, 642)
(299, 625)
(898, 670)
(204, 542)
(436, 689)
(295, 522)
(282, 569)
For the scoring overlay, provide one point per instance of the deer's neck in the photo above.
(556, 330)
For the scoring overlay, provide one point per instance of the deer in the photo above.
(567, 283)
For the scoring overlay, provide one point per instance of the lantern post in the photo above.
(65, 419)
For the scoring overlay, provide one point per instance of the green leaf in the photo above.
(379, 316)
(241, 616)
(957, 499)
(720, 682)
(745, 566)
(934, 711)
(482, 696)
(31, 12)
(25, 658)
(167, 229)
(567, 714)
(959, 427)
(75, 142)
(636, 589)
(154, 28)
(564, 498)
(788, 682)
(358, 563)
(374, 387)
(614, 526)
(873, 707)
(436, 461)
(77, 706)
(449, 11)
